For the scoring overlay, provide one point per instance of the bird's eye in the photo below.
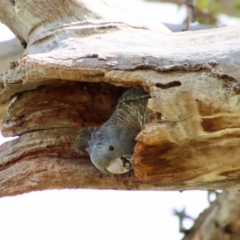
(111, 148)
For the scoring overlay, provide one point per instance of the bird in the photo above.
(111, 146)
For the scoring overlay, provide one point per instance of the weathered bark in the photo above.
(219, 221)
(193, 79)
(10, 51)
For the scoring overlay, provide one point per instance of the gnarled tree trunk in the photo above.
(79, 54)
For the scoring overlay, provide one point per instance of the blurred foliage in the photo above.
(207, 11)
(237, 5)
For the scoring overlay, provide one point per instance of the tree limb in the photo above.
(193, 79)
(219, 221)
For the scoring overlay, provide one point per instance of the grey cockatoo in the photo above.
(111, 146)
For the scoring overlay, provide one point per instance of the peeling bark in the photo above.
(77, 57)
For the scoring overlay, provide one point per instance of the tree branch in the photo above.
(219, 221)
(193, 79)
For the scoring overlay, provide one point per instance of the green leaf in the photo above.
(202, 4)
(237, 4)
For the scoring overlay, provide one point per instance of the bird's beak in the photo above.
(116, 166)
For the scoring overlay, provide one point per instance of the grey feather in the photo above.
(111, 146)
(84, 138)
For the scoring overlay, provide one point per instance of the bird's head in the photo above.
(111, 150)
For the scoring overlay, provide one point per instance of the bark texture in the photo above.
(219, 221)
(79, 55)
(10, 52)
